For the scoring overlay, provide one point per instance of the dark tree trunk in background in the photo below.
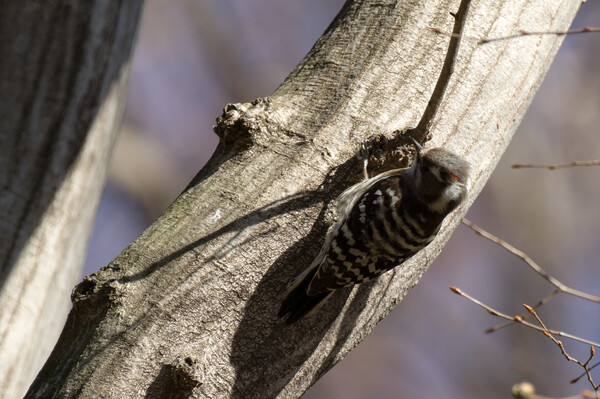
(63, 73)
(189, 308)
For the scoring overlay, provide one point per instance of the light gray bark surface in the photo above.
(189, 308)
(63, 74)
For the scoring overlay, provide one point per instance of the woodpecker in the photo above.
(383, 221)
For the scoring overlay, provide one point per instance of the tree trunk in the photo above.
(63, 74)
(189, 308)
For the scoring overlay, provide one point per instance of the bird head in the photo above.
(441, 178)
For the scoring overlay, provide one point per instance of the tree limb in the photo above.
(195, 297)
(63, 73)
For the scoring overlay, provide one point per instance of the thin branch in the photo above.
(548, 334)
(593, 366)
(562, 287)
(537, 305)
(570, 358)
(557, 166)
(544, 330)
(520, 320)
(420, 132)
(521, 33)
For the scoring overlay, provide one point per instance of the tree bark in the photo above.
(189, 308)
(63, 74)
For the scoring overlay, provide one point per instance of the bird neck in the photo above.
(438, 196)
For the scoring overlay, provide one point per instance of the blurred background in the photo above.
(193, 57)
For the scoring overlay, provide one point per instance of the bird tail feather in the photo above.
(297, 304)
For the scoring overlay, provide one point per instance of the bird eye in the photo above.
(454, 177)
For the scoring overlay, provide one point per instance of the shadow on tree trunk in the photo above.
(264, 349)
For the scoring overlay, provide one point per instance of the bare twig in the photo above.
(570, 358)
(520, 319)
(544, 330)
(593, 366)
(559, 285)
(521, 33)
(547, 333)
(420, 132)
(557, 166)
(537, 305)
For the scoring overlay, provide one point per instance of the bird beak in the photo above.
(418, 150)
(416, 144)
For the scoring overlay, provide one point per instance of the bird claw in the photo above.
(363, 155)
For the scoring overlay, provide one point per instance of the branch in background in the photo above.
(520, 320)
(570, 358)
(557, 166)
(537, 305)
(521, 33)
(560, 286)
(544, 330)
(574, 380)
(529, 393)
(421, 132)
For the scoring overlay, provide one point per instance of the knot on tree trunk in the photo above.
(176, 380)
(241, 124)
(93, 296)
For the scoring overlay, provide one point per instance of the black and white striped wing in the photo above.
(375, 235)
